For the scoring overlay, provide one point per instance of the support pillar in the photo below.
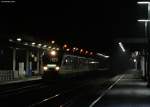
(27, 63)
(148, 56)
(14, 59)
(15, 73)
(38, 62)
(41, 63)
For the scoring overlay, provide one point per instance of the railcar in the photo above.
(58, 64)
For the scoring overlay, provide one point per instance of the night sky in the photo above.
(89, 24)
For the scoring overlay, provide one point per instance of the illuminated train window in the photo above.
(54, 59)
(68, 60)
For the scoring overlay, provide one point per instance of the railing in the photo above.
(6, 75)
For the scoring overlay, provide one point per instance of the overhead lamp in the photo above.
(81, 50)
(54, 48)
(53, 41)
(49, 47)
(102, 55)
(67, 49)
(25, 43)
(44, 46)
(86, 52)
(134, 60)
(65, 46)
(19, 39)
(33, 43)
(77, 49)
(91, 53)
(143, 20)
(143, 2)
(121, 46)
(10, 40)
(39, 45)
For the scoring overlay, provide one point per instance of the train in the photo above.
(63, 64)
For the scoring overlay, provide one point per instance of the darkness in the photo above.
(88, 24)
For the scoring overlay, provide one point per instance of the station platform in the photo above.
(19, 80)
(128, 91)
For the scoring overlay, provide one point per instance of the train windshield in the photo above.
(51, 57)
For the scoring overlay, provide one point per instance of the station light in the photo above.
(26, 43)
(49, 47)
(39, 45)
(65, 46)
(93, 62)
(57, 49)
(45, 68)
(10, 40)
(136, 53)
(7, 1)
(74, 49)
(53, 41)
(143, 20)
(121, 46)
(19, 39)
(53, 48)
(57, 68)
(81, 50)
(102, 55)
(77, 49)
(44, 46)
(32, 55)
(33, 43)
(86, 52)
(134, 60)
(91, 53)
(143, 2)
(68, 49)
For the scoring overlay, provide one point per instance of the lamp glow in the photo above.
(53, 41)
(39, 45)
(121, 46)
(33, 43)
(57, 68)
(45, 68)
(134, 60)
(143, 2)
(143, 20)
(19, 39)
(44, 46)
(53, 53)
(105, 56)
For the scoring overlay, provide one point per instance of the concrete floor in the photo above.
(129, 91)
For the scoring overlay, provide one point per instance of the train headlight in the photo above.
(57, 68)
(45, 68)
(53, 53)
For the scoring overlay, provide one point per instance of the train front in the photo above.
(51, 64)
